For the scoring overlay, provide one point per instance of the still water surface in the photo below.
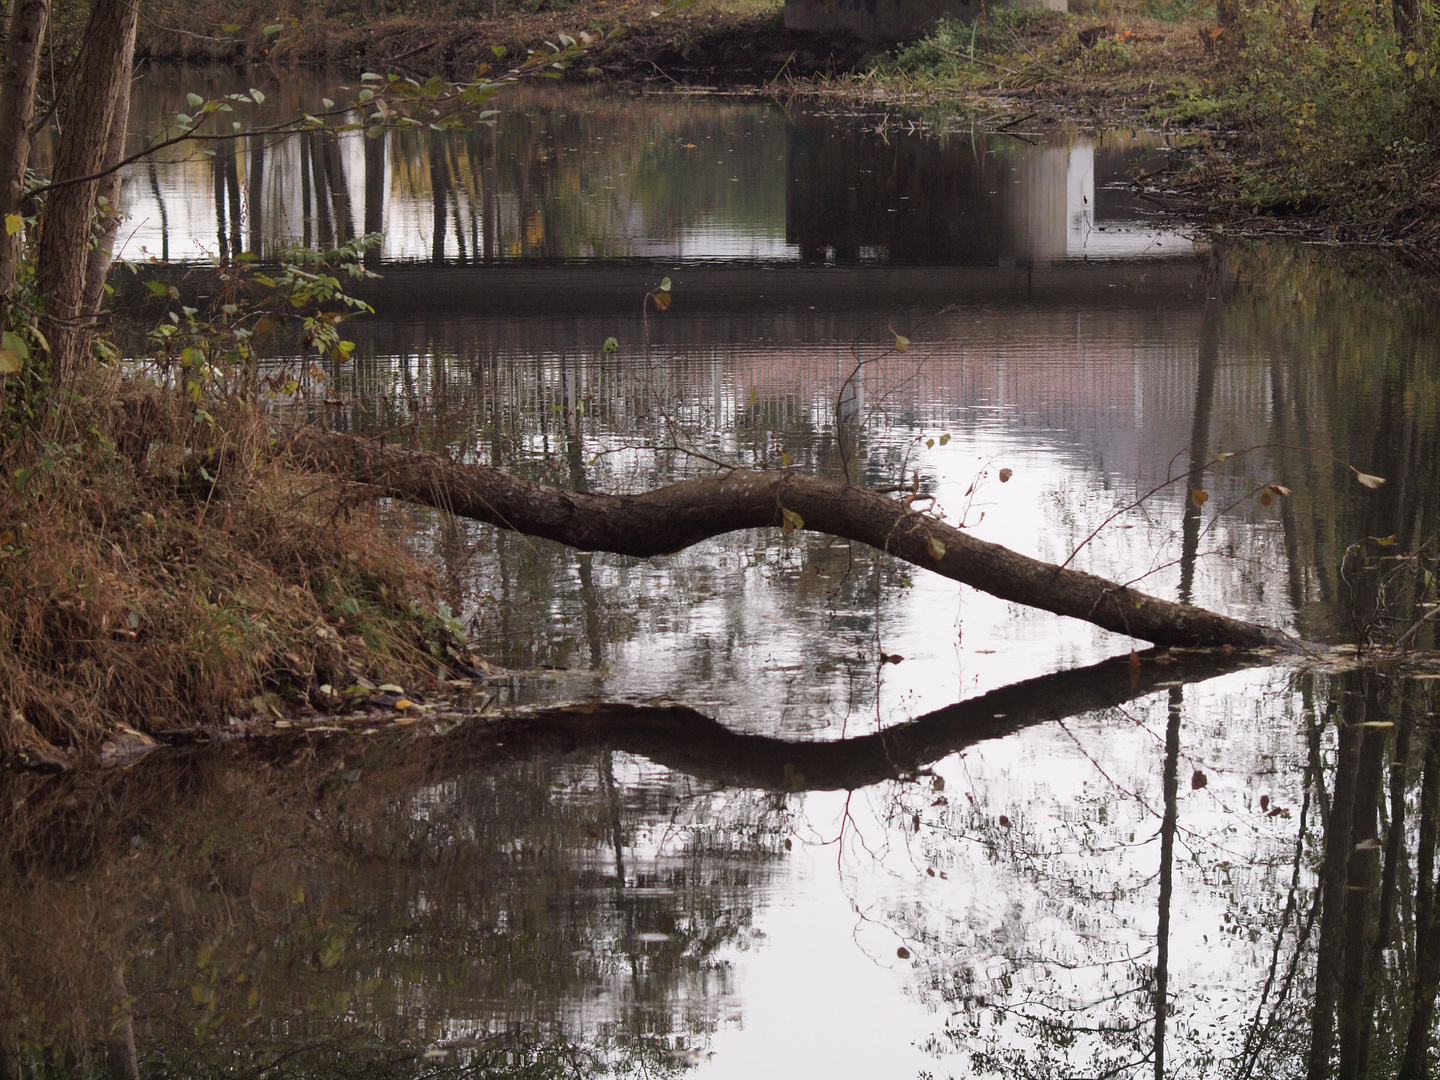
(1095, 873)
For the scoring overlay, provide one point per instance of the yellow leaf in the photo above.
(1411, 58)
(937, 548)
(901, 342)
(404, 703)
(1384, 541)
(7, 537)
(13, 224)
(1198, 497)
(10, 360)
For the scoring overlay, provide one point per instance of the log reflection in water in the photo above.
(505, 861)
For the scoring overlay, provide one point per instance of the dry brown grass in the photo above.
(159, 571)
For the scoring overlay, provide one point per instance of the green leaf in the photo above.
(256, 96)
(665, 285)
(370, 76)
(194, 100)
(327, 102)
(271, 31)
(365, 95)
(499, 50)
(610, 345)
(13, 224)
(13, 342)
(10, 361)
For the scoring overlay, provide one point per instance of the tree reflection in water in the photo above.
(529, 897)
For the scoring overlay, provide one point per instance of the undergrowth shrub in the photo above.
(1342, 116)
(953, 44)
(160, 567)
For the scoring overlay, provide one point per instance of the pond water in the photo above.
(931, 834)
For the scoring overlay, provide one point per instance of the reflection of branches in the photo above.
(1172, 478)
(1256, 1038)
(1140, 799)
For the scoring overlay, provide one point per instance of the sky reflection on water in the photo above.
(564, 902)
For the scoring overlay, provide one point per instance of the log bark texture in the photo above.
(25, 35)
(671, 518)
(103, 72)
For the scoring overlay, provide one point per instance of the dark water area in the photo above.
(917, 831)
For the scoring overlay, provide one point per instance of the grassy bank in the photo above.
(161, 570)
(1323, 130)
(165, 563)
(1328, 132)
(720, 43)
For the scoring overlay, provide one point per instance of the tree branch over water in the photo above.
(674, 517)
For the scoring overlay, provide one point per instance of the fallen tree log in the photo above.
(674, 517)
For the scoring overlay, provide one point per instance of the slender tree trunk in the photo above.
(26, 35)
(307, 215)
(1208, 360)
(101, 255)
(1406, 14)
(1167, 872)
(104, 70)
(674, 517)
(439, 198)
(1330, 950)
(374, 210)
(232, 190)
(1356, 1024)
(255, 195)
(339, 189)
(1415, 1065)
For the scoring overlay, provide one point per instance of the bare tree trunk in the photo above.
(1330, 951)
(1167, 874)
(374, 209)
(1415, 1065)
(26, 35)
(1357, 1025)
(1207, 361)
(101, 255)
(675, 517)
(1406, 14)
(255, 195)
(104, 70)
